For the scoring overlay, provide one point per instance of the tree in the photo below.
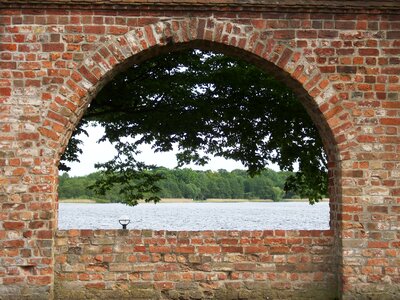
(187, 183)
(207, 104)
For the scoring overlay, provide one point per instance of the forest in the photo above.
(188, 183)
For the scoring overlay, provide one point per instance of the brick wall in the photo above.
(341, 58)
(134, 264)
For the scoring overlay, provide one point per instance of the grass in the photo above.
(174, 200)
(77, 201)
(83, 200)
(224, 200)
(188, 200)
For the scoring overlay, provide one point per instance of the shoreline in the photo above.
(186, 200)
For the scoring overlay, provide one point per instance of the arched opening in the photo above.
(263, 115)
(305, 258)
(263, 64)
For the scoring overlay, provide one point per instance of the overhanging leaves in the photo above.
(205, 103)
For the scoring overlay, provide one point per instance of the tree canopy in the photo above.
(206, 104)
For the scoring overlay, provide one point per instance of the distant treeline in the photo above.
(197, 185)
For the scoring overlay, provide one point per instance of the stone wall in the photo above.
(134, 264)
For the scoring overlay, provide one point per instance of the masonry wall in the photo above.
(134, 264)
(341, 57)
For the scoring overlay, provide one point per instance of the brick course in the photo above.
(135, 264)
(343, 62)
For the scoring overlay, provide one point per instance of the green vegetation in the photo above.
(187, 183)
(205, 104)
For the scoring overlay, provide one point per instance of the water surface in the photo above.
(197, 216)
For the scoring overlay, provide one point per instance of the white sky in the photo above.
(95, 153)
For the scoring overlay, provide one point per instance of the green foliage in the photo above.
(75, 187)
(206, 104)
(74, 150)
(187, 183)
(130, 177)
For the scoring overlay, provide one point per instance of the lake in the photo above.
(197, 216)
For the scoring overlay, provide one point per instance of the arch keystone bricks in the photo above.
(340, 57)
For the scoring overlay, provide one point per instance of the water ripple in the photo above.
(197, 216)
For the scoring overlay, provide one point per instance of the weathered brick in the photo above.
(53, 47)
(184, 249)
(95, 285)
(344, 60)
(13, 225)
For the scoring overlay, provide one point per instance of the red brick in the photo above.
(345, 25)
(245, 266)
(209, 249)
(12, 280)
(393, 34)
(160, 249)
(94, 29)
(88, 75)
(378, 244)
(231, 249)
(13, 225)
(164, 285)
(40, 280)
(13, 244)
(44, 234)
(53, 47)
(368, 52)
(5, 92)
(184, 249)
(390, 121)
(278, 249)
(328, 34)
(28, 136)
(49, 133)
(284, 34)
(255, 249)
(117, 30)
(95, 285)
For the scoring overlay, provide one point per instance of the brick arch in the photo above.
(252, 43)
(249, 42)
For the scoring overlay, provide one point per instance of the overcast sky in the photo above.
(94, 153)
